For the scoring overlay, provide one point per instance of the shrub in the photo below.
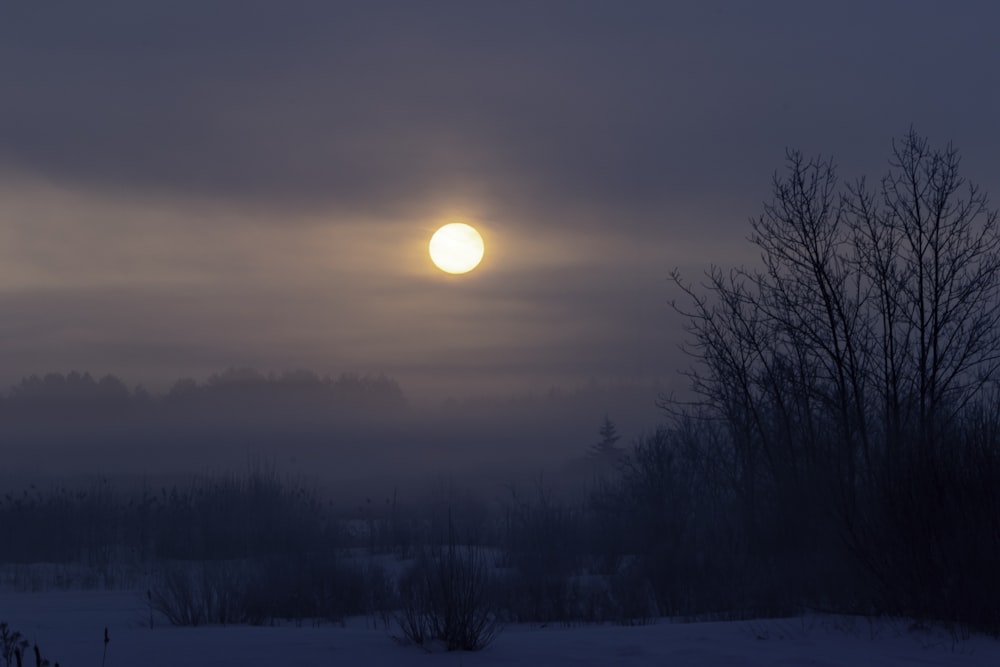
(12, 643)
(446, 597)
(256, 592)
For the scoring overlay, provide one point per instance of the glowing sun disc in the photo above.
(456, 248)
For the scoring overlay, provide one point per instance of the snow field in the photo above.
(69, 627)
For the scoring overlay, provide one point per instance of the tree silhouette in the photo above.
(853, 373)
(606, 449)
(874, 320)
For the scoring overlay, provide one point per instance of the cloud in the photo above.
(390, 107)
(194, 185)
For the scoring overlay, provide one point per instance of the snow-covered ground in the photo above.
(69, 627)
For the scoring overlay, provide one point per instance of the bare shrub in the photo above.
(12, 642)
(445, 596)
(203, 593)
(289, 588)
(178, 598)
(192, 594)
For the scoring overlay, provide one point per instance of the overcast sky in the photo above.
(190, 185)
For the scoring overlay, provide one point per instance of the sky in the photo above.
(189, 186)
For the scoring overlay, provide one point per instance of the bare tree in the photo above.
(873, 320)
(929, 249)
(779, 350)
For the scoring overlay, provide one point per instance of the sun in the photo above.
(457, 248)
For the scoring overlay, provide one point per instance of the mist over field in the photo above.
(354, 435)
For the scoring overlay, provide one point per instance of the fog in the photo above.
(352, 435)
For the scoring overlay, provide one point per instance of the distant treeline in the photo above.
(238, 388)
(341, 428)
